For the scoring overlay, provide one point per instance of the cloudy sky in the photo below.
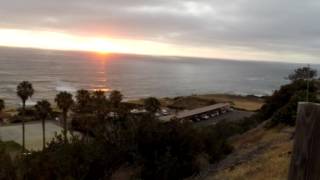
(277, 30)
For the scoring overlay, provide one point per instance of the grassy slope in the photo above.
(240, 102)
(259, 154)
(194, 101)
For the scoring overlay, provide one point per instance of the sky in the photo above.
(275, 30)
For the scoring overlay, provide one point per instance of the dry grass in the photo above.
(240, 102)
(194, 101)
(271, 162)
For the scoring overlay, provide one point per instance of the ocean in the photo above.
(136, 76)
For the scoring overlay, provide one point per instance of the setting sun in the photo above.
(102, 45)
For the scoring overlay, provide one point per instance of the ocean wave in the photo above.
(64, 86)
(29, 102)
(6, 73)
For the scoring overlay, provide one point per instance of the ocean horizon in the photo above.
(136, 76)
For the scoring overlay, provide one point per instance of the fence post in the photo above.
(305, 161)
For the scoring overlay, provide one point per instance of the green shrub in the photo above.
(160, 150)
(7, 168)
(287, 113)
(282, 105)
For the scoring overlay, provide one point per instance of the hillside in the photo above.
(260, 153)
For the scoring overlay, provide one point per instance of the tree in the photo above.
(152, 105)
(100, 104)
(64, 101)
(115, 98)
(83, 99)
(24, 91)
(303, 73)
(43, 110)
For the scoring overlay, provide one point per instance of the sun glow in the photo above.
(101, 45)
(105, 45)
(63, 41)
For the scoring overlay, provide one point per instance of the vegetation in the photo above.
(101, 105)
(115, 98)
(152, 105)
(158, 150)
(303, 73)
(83, 102)
(24, 91)
(259, 154)
(281, 106)
(43, 110)
(64, 101)
(7, 168)
(7, 164)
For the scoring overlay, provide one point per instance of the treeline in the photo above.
(112, 139)
(145, 147)
(281, 106)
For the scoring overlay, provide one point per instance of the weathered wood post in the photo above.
(305, 161)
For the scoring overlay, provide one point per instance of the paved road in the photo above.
(33, 134)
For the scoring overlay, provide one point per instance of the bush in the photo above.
(282, 105)
(7, 168)
(160, 150)
(168, 151)
(74, 160)
(7, 165)
(287, 113)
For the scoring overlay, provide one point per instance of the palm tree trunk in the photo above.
(43, 134)
(65, 126)
(23, 125)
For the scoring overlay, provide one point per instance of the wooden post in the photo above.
(305, 161)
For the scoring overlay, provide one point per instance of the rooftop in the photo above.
(188, 113)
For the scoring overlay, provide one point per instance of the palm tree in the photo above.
(152, 105)
(64, 101)
(115, 98)
(100, 104)
(83, 108)
(83, 101)
(24, 91)
(43, 110)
